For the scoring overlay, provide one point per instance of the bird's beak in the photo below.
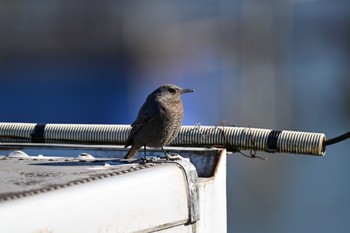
(187, 91)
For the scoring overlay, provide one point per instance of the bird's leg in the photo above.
(144, 157)
(165, 153)
(144, 151)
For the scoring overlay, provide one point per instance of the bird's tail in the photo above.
(131, 153)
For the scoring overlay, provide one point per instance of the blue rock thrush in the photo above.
(159, 120)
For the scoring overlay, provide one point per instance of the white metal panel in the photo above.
(212, 199)
(131, 202)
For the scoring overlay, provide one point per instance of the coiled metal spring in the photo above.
(232, 138)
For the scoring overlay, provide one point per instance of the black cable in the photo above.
(336, 139)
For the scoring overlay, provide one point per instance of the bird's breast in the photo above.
(170, 110)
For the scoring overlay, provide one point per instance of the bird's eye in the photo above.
(172, 90)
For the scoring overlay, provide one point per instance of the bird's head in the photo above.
(170, 92)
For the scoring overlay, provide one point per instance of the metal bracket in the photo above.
(191, 176)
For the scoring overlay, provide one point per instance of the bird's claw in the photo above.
(173, 157)
(144, 160)
(168, 157)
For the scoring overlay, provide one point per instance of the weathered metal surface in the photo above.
(28, 176)
(204, 159)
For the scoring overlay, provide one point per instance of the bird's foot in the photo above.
(145, 159)
(173, 157)
(168, 157)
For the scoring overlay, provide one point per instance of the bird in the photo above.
(159, 120)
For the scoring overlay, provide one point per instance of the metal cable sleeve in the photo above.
(232, 138)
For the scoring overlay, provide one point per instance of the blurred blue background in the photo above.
(259, 63)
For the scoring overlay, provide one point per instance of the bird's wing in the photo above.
(146, 112)
(143, 117)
